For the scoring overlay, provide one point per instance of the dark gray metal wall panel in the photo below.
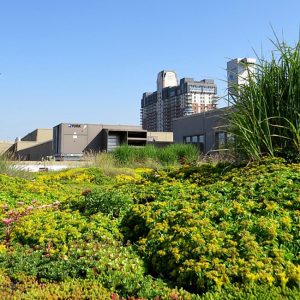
(103, 139)
(32, 136)
(55, 149)
(37, 152)
(206, 123)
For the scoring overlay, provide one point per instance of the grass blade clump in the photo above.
(9, 167)
(170, 155)
(265, 117)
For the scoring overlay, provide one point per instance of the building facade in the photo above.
(69, 141)
(174, 99)
(4, 146)
(238, 72)
(206, 130)
(72, 140)
(33, 146)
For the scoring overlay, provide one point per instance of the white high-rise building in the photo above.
(238, 71)
(166, 79)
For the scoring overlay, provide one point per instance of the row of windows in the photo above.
(194, 139)
(221, 140)
(197, 140)
(202, 101)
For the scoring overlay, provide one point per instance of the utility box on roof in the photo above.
(71, 141)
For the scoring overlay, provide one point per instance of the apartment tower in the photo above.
(174, 99)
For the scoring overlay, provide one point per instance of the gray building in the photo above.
(173, 100)
(35, 145)
(207, 130)
(69, 141)
(5, 145)
(72, 140)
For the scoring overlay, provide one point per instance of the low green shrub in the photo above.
(109, 201)
(29, 288)
(78, 176)
(241, 229)
(253, 292)
(16, 192)
(55, 246)
(221, 231)
(52, 230)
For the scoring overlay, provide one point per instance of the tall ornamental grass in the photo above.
(8, 167)
(265, 118)
(170, 155)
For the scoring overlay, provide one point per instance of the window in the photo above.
(198, 140)
(201, 138)
(195, 139)
(221, 139)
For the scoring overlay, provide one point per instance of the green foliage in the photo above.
(220, 231)
(202, 175)
(182, 153)
(29, 288)
(17, 192)
(76, 176)
(234, 231)
(10, 168)
(171, 155)
(109, 201)
(98, 176)
(253, 292)
(53, 246)
(265, 118)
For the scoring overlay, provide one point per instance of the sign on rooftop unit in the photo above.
(74, 125)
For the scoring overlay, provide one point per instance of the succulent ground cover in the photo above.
(190, 232)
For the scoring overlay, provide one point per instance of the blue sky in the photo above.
(89, 61)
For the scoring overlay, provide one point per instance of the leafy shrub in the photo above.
(234, 231)
(75, 175)
(253, 292)
(202, 175)
(222, 231)
(98, 176)
(53, 230)
(50, 245)
(109, 201)
(29, 288)
(14, 191)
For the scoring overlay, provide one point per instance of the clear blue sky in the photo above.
(89, 61)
